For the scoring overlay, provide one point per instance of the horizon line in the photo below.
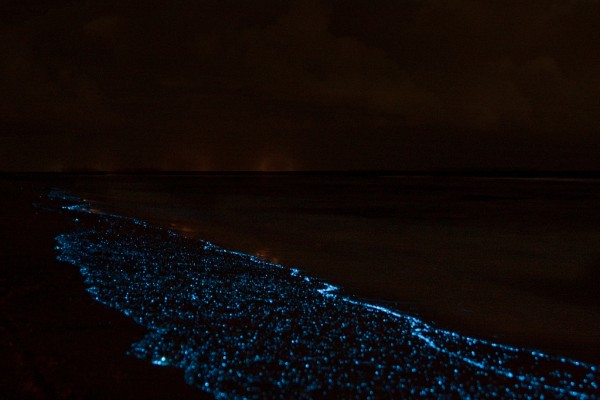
(448, 172)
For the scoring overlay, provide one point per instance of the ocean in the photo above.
(508, 262)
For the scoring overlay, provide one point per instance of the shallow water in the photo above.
(241, 326)
(515, 261)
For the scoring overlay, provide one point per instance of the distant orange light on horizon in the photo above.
(274, 163)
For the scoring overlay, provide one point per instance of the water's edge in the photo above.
(242, 327)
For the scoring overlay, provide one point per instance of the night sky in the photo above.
(308, 84)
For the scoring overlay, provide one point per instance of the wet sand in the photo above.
(512, 261)
(55, 341)
(242, 327)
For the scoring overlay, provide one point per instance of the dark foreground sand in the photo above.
(55, 341)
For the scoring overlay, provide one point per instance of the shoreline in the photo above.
(57, 342)
(578, 339)
(240, 317)
(18, 196)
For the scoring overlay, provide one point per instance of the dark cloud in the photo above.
(301, 84)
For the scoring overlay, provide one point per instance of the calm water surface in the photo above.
(240, 326)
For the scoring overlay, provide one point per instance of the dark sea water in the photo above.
(242, 324)
(516, 261)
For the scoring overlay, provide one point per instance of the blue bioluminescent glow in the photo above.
(241, 327)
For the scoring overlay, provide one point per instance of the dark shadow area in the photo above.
(56, 342)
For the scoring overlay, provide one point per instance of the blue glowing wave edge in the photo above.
(241, 327)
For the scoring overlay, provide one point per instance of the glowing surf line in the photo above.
(577, 379)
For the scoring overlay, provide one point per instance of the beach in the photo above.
(58, 343)
(508, 260)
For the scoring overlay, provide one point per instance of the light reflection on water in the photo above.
(184, 229)
(267, 255)
(240, 326)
